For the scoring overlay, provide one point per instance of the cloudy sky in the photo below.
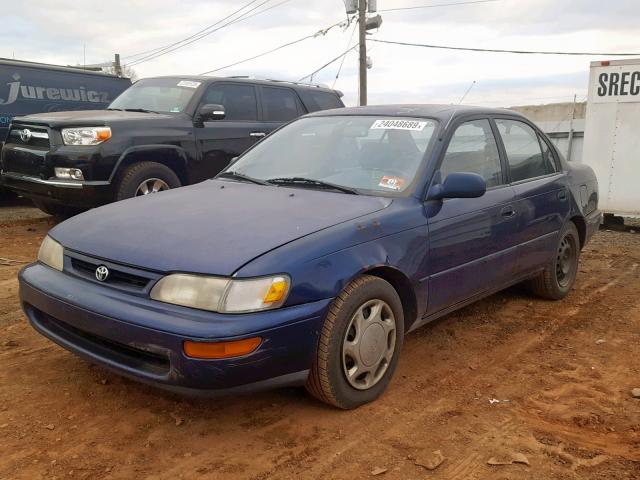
(70, 32)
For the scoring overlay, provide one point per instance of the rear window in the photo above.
(320, 100)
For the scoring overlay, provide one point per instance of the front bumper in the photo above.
(84, 194)
(142, 339)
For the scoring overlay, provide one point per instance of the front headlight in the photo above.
(51, 253)
(85, 135)
(222, 294)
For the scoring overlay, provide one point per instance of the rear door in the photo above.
(472, 243)
(221, 140)
(542, 197)
(279, 105)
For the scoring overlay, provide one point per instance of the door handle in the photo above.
(562, 195)
(257, 134)
(507, 212)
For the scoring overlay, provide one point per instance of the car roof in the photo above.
(251, 80)
(438, 111)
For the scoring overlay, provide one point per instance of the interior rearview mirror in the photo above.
(211, 111)
(458, 185)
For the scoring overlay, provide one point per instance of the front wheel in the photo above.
(144, 178)
(558, 277)
(359, 345)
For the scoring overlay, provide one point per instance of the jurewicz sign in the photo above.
(27, 88)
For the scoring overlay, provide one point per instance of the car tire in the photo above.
(331, 379)
(56, 210)
(559, 276)
(149, 177)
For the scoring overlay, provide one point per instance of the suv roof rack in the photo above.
(304, 84)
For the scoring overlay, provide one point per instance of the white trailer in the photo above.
(612, 134)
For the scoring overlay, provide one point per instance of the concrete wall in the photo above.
(555, 120)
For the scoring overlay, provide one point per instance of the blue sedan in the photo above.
(310, 257)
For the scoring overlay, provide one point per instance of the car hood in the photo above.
(87, 117)
(214, 227)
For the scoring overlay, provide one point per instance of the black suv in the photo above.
(158, 134)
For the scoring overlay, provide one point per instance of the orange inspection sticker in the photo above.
(394, 183)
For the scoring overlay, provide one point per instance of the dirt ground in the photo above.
(562, 372)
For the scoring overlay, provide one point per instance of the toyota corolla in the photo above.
(311, 256)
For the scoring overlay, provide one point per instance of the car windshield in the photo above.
(162, 95)
(366, 153)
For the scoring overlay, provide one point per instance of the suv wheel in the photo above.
(145, 178)
(359, 345)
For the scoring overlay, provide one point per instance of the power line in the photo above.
(203, 33)
(199, 36)
(494, 50)
(322, 32)
(436, 5)
(158, 49)
(355, 27)
(310, 76)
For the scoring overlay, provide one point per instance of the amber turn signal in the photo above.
(230, 349)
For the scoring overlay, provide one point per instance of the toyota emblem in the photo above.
(102, 273)
(25, 135)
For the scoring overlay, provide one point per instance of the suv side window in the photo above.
(473, 149)
(524, 153)
(280, 104)
(239, 101)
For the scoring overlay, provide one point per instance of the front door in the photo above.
(219, 141)
(471, 240)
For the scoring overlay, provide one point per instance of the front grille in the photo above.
(26, 156)
(136, 358)
(118, 277)
(36, 137)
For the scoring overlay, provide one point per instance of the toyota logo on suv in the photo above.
(25, 135)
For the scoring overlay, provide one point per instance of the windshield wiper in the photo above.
(143, 110)
(241, 176)
(312, 183)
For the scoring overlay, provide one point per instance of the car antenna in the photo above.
(455, 108)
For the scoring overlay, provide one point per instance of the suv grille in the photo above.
(29, 136)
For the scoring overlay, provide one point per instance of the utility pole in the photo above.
(362, 40)
(117, 66)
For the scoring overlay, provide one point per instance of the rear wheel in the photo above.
(558, 277)
(55, 209)
(145, 178)
(359, 344)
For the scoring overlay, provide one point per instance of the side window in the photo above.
(280, 104)
(239, 101)
(524, 154)
(549, 157)
(473, 149)
(325, 100)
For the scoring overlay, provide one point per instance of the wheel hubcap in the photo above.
(151, 185)
(565, 260)
(369, 343)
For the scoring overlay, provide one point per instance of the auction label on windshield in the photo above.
(188, 84)
(414, 125)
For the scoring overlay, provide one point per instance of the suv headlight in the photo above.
(85, 135)
(51, 253)
(222, 294)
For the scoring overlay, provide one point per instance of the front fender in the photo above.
(316, 275)
(148, 151)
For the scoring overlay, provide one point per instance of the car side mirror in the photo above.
(458, 185)
(211, 112)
